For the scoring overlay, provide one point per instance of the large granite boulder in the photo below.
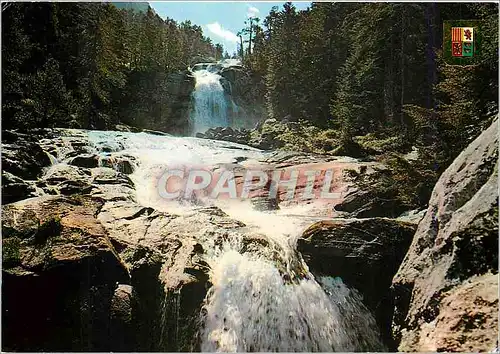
(23, 161)
(15, 188)
(239, 136)
(90, 269)
(365, 253)
(59, 275)
(370, 204)
(97, 272)
(446, 290)
(85, 160)
(22, 156)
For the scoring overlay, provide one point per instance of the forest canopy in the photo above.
(377, 69)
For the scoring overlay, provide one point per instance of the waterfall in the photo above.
(209, 98)
(252, 307)
(268, 301)
(264, 299)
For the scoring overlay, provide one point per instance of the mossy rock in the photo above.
(11, 255)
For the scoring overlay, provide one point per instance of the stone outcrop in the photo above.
(239, 136)
(446, 290)
(59, 274)
(96, 257)
(179, 87)
(269, 134)
(85, 160)
(369, 204)
(23, 161)
(364, 253)
(86, 268)
(247, 91)
(15, 188)
(22, 156)
(121, 317)
(288, 163)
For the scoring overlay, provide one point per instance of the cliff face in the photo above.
(243, 95)
(179, 87)
(247, 92)
(446, 290)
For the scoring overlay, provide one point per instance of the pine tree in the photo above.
(48, 104)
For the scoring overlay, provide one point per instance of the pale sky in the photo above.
(219, 20)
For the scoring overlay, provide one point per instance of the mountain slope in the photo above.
(139, 6)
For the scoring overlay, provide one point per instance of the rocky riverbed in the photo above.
(92, 261)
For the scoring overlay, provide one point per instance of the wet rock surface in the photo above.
(59, 273)
(368, 204)
(121, 312)
(22, 156)
(109, 273)
(105, 237)
(15, 188)
(86, 160)
(239, 136)
(265, 140)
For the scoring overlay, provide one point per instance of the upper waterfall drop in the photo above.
(210, 103)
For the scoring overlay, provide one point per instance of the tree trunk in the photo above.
(241, 47)
(402, 118)
(250, 37)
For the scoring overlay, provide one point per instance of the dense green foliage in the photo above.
(377, 68)
(373, 78)
(91, 65)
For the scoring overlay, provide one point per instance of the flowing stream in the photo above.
(212, 106)
(257, 302)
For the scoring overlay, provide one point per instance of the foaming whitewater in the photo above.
(268, 301)
(251, 307)
(260, 300)
(153, 154)
(210, 103)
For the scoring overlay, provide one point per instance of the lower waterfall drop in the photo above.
(255, 306)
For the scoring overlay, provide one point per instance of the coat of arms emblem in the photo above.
(461, 41)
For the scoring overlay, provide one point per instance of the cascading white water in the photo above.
(209, 98)
(260, 303)
(250, 307)
(262, 300)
